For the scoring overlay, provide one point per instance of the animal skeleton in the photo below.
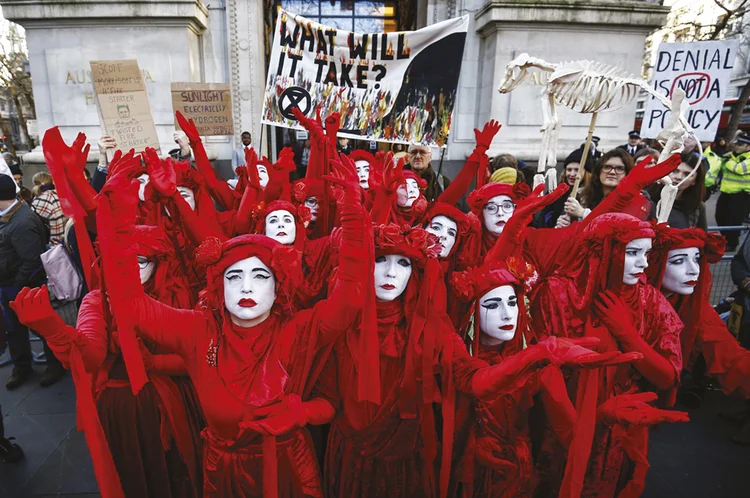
(582, 86)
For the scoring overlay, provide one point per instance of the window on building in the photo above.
(357, 16)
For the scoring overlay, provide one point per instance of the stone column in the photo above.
(165, 36)
(607, 31)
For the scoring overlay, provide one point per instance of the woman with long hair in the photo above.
(688, 210)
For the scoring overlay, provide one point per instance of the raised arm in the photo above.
(458, 187)
(219, 189)
(560, 410)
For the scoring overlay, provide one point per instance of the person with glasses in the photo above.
(605, 177)
(419, 158)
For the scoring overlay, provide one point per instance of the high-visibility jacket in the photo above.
(735, 173)
(714, 166)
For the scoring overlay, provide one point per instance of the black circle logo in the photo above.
(294, 97)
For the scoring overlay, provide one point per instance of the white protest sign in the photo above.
(702, 70)
(391, 87)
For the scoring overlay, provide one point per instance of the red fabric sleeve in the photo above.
(549, 248)
(560, 410)
(508, 375)
(726, 360)
(653, 366)
(219, 189)
(195, 228)
(169, 364)
(458, 187)
(92, 339)
(171, 328)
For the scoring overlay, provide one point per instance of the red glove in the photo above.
(345, 175)
(161, 174)
(393, 175)
(614, 315)
(289, 414)
(484, 137)
(313, 126)
(35, 311)
(633, 409)
(571, 352)
(188, 126)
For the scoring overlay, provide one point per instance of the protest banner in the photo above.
(702, 70)
(390, 87)
(209, 105)
(124, 109)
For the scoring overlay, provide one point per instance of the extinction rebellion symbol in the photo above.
(294, 97)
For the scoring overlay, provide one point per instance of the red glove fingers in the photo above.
(484, 138)
(189, 128)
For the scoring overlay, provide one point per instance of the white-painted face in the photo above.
(498, 314)
(188, 195)
(280, 226)
(392, 273)
(683, 270)
(311, 203)
(446, 230)
(146, 268)
(636, 260)
(142, 182)
(263, 175)
(363, 172)
(496, 213)
(407, 193)
(249, 290)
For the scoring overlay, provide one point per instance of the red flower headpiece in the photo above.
(152, 242)
(480, 197)
(186, 175)
(284, 261)
(362, 155)
(301, 214)
(308, 187)
(467, 223)
(713, 245)
(613, 227)
(477, 281)
(413, 242)
(409, 174)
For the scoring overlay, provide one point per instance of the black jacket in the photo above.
(21, 245)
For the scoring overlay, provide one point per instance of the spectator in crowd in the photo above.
(554, 214)
(396, 148)
(733, 176)
(634, 143)
(11, 161)
(503, 161)
(606, 175)
(646, 151)
(182, 152)
(302, 157)
(47, 205)
(21, 244)
(594, 153)
(24, 193)
(238, 154)
(9, 451)
(344, 145)
(419, 158)
(688, 210)
(510, 176)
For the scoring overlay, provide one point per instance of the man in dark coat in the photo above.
(634, 143)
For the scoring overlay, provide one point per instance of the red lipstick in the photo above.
(246, 302)
(691, 283)
(388, 286)
(507, 327)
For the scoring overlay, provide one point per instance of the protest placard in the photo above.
(391, 87)
(702, 70)
(124, 109)
(209, 105)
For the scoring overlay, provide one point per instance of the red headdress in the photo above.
(301, 219)
(469, 230)
(217, 256)
(480, 197)
(712, 246)
(168, 284)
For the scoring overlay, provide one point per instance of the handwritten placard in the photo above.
(123, 103)
(209, 105)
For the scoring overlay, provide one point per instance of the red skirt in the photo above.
(132, 427)
(232, 469)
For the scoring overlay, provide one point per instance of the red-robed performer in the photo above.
(248, 357)
(384, 377)
(684, 256)
(607, 277)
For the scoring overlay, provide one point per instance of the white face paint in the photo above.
(188, 195)
(636, 260)
(143, 181)
(249, 291)
(503, 207)
(311, 203)
(263, 175)
(146, 268)
(446, 230)
(407, 193)
(363, 172)
(280, 226)
(392, 273)
(682, 271)
(498, 315)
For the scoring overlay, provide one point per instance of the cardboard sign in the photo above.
(124, 109)
(702, 70)
(390, 87)
(209, 105)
